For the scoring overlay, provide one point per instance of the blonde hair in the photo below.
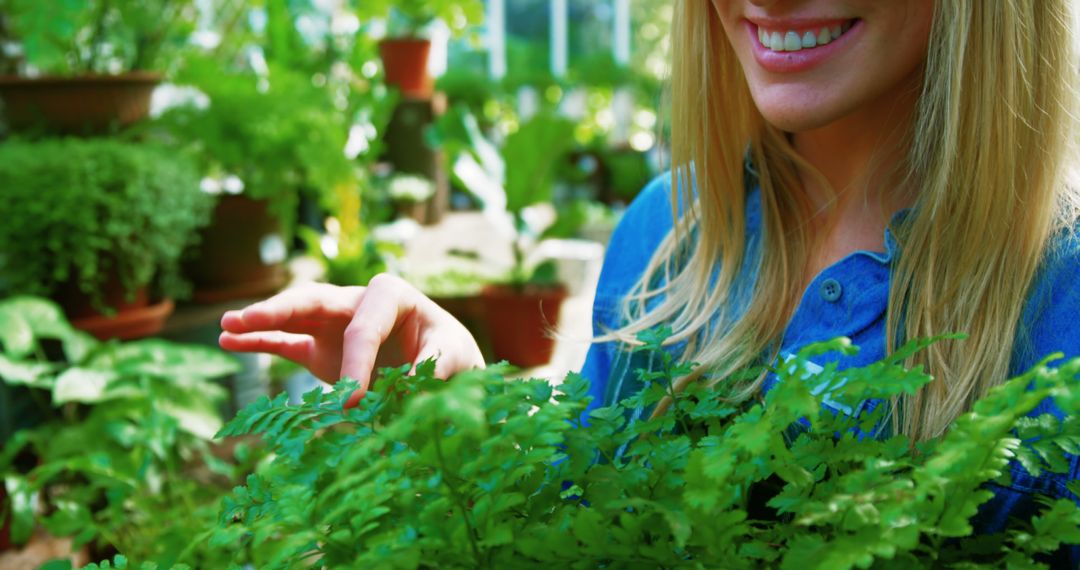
(989, 145)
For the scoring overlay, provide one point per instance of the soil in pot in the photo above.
(520, 322)
(87, 105)
(405, 62)
(241, 253)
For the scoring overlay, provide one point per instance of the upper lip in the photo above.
(794, 24)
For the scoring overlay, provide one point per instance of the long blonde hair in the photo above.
(989, 146)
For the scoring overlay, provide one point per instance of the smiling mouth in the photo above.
(798, 40)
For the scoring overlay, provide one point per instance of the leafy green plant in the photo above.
(484, 472)
(347, 251)
(121, 457)
(280, 134)
(87, 211)
(525, 166)
(75, 37)
(410, 17)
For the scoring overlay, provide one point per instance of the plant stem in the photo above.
(471, 529)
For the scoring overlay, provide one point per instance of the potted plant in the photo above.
(122, 442)
(89, 66)
(521, 310)
(410, 195)
(99, 225)
(260, 142)
(347, 251)
(405, 51)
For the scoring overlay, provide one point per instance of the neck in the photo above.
(861, 157)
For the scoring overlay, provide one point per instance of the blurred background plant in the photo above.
(411, 18)
(95, 218)
(65, 37)
(112, 440)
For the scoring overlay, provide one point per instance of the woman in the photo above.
(874, 169)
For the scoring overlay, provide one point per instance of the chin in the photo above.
(796, 120)
(795, 113)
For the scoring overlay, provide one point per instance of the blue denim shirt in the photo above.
(848, 298)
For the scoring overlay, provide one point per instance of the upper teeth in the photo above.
(795, 41)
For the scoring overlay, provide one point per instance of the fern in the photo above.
(485, 472)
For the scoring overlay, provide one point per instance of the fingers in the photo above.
(297, 348)
(298, 310)
(385, 304)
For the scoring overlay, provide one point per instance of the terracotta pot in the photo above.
(469, 311)
(232, 259)
(405, 62)
(77, 305)
(519, 322)
(136, 316)
(128, 324)
(91, 104)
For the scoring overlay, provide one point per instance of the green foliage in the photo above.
(86, 211)
(356, 257)
(122, 454)
(531, 155)
(410, 17)
(120, 562)
(73, 37)
(279, 134)
(485, 472)
(526, 173)
(577, 215)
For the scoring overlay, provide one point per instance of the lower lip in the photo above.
(802, 60)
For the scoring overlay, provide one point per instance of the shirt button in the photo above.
(831, 290)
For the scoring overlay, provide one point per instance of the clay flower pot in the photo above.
(520, 322)
(405, 62)
(91, 104)
(134, 317)
(231, 261)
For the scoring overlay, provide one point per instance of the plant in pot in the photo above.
(260, 142)
(520, 310)
(99, 225)
(120, 457)
(88, 66)
(347, 251)
(405, 51)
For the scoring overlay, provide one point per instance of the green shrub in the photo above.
(82, 210)
(481, 472)
(121, 454)
(280, 135)
(98, 36)
(410, 17)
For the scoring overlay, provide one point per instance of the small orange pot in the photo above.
(86, 105)
(520, 322)
(405, 63)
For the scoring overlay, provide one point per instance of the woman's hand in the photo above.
(338, 332)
